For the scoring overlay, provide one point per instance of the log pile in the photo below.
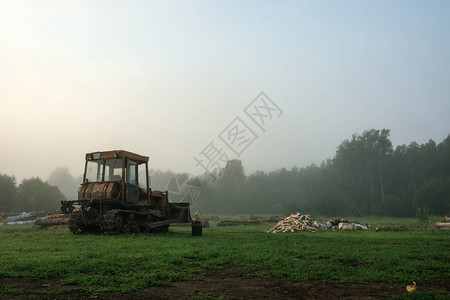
(237, 223)
(252, 220)
(298, 222)
(266, 219)
(444, 225)
(54, 220)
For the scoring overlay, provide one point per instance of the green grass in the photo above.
(98, 263)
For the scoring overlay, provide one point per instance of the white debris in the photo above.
(300, 222)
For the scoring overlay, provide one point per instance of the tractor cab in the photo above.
(119, 175)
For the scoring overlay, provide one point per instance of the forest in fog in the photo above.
(367, 176)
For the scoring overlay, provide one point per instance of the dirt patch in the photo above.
(232, 283)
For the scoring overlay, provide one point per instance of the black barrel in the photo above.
(197, 228)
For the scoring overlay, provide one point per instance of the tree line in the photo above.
(365, 177)
(33, 194)
(30, 195)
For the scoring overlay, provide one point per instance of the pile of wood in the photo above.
(54, 220)
(237, 223)
(252, 220)
(444, 225)
(266, 219)
(298, 222)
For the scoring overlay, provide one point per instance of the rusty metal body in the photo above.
(115, 197)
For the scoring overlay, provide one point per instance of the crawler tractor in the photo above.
(116, 197)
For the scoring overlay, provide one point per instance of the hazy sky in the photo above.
(165, 78)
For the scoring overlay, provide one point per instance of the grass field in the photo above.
(98, 264)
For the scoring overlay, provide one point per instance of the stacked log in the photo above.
(444, 225)
(298, 222)
(54, 220)
(236, 223)
(266, 219)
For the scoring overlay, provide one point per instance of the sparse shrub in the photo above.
(423, 216)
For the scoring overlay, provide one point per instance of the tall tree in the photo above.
(434, 194)
(362, 162)
(34, 194)
(229, 185)
(8, 193)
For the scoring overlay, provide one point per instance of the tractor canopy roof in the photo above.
(116, 154)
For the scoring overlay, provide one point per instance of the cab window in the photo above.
(142, 173)
(113, 169)
(133, 172)
(94, 171)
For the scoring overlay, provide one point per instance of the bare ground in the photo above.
(232, 283)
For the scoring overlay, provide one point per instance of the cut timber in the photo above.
(300, 222)
(297, 222)
(236, 223)
(266, 219)
(443, 226)
(53, 221)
